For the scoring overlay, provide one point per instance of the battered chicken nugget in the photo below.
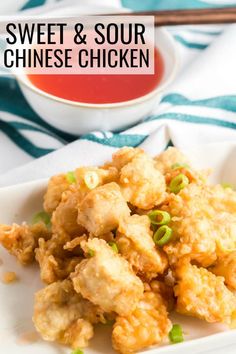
(56, 186)
(202, 294)
(106, 279)
(171, 156)
(147, 325)
(21, 240)
(61, 314)
(142, 184)
(202, 226)
(123, 156)
(226, 267)
(64, 218)
(135, 242)
(55, 262)
(102, 208)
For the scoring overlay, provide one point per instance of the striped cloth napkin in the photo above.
(199, 108)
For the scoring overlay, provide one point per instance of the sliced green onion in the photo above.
(177, 165)
(70, 176)
(114, 246)
(159, 217)
(91, 253)
(163, 235)
(178, 183)
(77, 351)
(227, 185)
(91, 179)
(176, 334)
(42, 216)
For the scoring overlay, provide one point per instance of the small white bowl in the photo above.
(80, 118)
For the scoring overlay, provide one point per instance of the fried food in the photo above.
(204, 226)
(56, 186)
(21, 240)
(202, 294)
(168, 158)
(226, 267)
(55, 262)
(147, 325)
(129, 242)
(143, 185)
(61, 314)
(102, 209)
(106, 279)
(64, 218)
(135, 243)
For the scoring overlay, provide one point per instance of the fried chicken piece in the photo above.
(56, 186)
(202, 294)
(21, 240)
(165, 290)
(203, 226)
(64, 218)
(171, 156)
(55, 262)
(142, 184)
(91, 177)
(123, 156)
(147, 325)
(226, 267)
(172, 162)
(102, 208)
(61, 314)
(135, 243)
(106, 279)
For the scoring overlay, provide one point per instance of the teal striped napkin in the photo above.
(200, 107)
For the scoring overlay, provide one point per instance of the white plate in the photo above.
(18, 203)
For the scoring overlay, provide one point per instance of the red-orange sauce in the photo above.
(100, 88)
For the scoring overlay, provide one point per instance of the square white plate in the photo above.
(19, 203)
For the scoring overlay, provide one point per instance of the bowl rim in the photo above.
(22, 79)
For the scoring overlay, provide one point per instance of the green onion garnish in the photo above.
(70, 176)
(163, 235)
(91, 253)
(178, 183)
(77, 351)
(178, 165)
(42, 216)
(114, 246)
(176, 334)
(159, 217)
(227, 185)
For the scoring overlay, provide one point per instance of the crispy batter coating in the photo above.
(106, 279)
(203, 224)
(167, 163)
(147, 325)
(123, 156)
(55, 262)
(202, 294)
(91, 177)
(168, 158)
(226, 267)
(102, 209)
(143, 185)
(135, 242)
(64, 218)
(21, 240)
(56, 186)
(61, 314)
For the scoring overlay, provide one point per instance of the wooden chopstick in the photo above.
(189, 17)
